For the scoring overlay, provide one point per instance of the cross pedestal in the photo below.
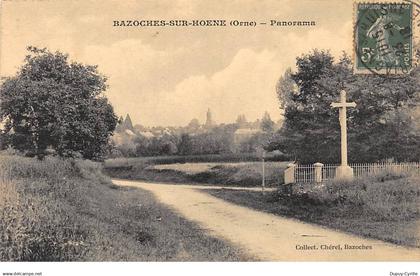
(344, 171)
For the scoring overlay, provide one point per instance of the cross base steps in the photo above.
(344, 172)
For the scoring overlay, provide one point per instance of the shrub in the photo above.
(91, 171)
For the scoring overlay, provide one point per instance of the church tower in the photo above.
(209, 120)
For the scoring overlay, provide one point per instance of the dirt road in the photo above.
(269, 237)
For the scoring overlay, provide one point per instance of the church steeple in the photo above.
(126, 124)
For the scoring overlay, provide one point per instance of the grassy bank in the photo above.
(384, 207)
(66, 210)
(217, 173)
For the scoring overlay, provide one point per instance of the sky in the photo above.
(167, 75)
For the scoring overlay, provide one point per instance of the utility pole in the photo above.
(263, 171)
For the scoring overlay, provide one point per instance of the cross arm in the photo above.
(352, 104)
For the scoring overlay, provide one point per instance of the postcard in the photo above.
(212, 131)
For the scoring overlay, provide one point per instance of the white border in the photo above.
(216, 269)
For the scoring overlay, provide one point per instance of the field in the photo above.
(384, 207)
(205, 158)
(66, 210)
(226, 171)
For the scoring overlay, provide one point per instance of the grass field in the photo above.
(384, 207)
(205, 158)
(218, 173)
(66, 210)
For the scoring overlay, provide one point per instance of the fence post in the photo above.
(318, 172)
(289, 173)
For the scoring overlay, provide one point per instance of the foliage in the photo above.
(267, 125)
(55, 104)
(66, 210)
(193, 139)
(255, 143)
(194, 125)
(380, 127)
(218, 140)
(35, 222)
(185, 144)
(381, 197)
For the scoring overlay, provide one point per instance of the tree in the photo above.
(57, 104)
(194, 125)
(285, 87)
(378, 127)
(185, 144)
(267, 125)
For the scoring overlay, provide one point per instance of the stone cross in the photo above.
(344, 170)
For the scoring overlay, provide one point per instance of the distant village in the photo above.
(241, 136)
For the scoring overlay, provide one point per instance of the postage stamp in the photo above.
(383, 38)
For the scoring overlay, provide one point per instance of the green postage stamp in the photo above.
(383, 38)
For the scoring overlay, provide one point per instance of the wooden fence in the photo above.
(322, 172)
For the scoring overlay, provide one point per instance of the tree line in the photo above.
(218, 140)
(56, 106)
(382, 126)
